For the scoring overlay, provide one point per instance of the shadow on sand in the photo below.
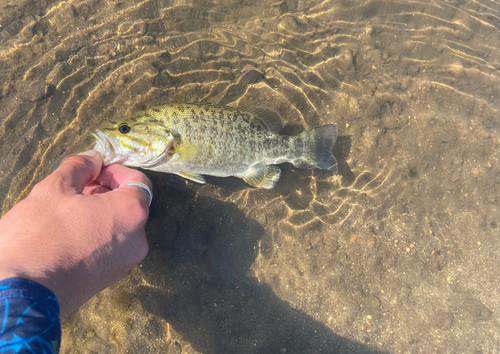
(201, 250)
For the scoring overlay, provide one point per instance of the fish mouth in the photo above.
(105, 147)
(102, 143)
(112, 153)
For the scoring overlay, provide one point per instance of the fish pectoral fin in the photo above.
(192, 176)
(262, 176)
(267, 117)
(187, 152)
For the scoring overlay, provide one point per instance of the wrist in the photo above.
(5, 274)
(12, 269)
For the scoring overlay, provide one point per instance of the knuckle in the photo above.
(141, 213)
(60, 182)
(141, 177)
(142, 248)
(143, 252)
(39, 189)
(78, 162)
(137, 212)
(53, 183)
(147, 181)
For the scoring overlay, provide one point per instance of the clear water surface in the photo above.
(398, 253)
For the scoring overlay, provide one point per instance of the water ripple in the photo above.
(412, 85)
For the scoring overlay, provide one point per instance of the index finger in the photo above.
(115, 176)
(124, 181)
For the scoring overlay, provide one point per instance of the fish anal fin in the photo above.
(262, 176)
(192, 176)
(267, 117)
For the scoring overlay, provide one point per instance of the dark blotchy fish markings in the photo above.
(194, 140)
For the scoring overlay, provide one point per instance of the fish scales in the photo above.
(231, 142)
(194, 140)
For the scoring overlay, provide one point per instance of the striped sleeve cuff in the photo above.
(29, 318)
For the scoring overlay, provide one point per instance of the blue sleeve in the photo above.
(29, 318)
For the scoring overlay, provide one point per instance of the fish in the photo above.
(193, 140)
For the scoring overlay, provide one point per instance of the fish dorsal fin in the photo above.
(268, 117)
(192, 176)
(262, 176)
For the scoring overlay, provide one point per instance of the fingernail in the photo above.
(90, 153)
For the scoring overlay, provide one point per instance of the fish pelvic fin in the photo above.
(192, 176)
(318, 145)
(262, 176)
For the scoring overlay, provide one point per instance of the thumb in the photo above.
(76, 172)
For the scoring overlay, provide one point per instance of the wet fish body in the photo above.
(195, 140)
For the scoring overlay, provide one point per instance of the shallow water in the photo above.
(398, 252)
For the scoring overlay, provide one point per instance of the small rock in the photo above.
(163, 79)
(250, 75)
(477, 310)
(443, 320)
(289, 23)
(5, 90)
(404, 292)
(89, 61)
(375, 303)
(146, 40)
(37, 90)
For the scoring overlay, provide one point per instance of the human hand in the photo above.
(79, 231)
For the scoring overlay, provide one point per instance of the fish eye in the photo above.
(124, 128)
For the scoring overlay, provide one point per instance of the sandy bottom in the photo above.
(397, 253)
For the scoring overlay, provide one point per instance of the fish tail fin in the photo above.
(318, 144)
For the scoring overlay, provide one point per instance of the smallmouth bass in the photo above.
(193, 140)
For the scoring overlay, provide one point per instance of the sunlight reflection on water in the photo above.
(396, 253)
